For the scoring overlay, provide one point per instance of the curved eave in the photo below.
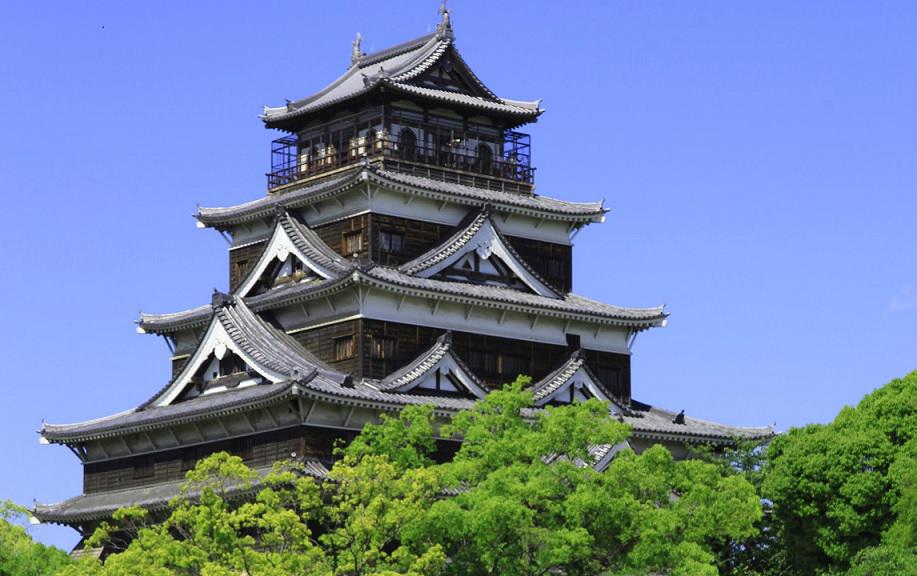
(517, 111)
(113, 426)
(264, 208)
(170, 323)
(307, 193)
(689, 437)
(153, 497)
(509, 299)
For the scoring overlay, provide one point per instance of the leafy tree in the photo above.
(518, 512)
(19, 554)
(519, 498)
(841, 489)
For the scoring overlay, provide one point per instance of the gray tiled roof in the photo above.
(311, 192)
(654, 422)
(447, 248)
(154, 497)
(174, 321)
(459, 241)
(151, 417)
(499, 297)
(425, 362)
(360, 393)
(269, 347)
(394, 68)
(557, 378)
(265, 207)
(310, 244)
(503, 201)
(510, 299)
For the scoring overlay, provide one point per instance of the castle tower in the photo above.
(400, 256)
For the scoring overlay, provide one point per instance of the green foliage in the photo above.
(517, 499)
(19, 554)
(840, 489)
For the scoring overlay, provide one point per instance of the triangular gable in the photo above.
(215, 345)
(231, 355)
(479, 253)
(436, 371)
(286, 259)
(572, 382)
(448, 72)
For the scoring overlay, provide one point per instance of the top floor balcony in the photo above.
(446, 150)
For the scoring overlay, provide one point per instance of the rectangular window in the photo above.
(353, 242)
(383, 347)
(344, 348)
(391, 241)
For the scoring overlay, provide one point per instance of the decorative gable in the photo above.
(451, 73)
(480, 254)
(436, 371)
(572, 382)
(239, 349)
(293, 255)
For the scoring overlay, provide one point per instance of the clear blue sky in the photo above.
(760, 161)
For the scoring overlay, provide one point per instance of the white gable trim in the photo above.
(215, 341)
(447, 365)
(487, 242)
(279, 247)
(580, 378)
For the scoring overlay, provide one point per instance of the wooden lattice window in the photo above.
(344, 348)
(383, 347)
(353, 242)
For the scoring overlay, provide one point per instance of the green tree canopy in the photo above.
(19, 554)
(519, 498)
(841, 489)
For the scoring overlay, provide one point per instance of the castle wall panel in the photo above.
(553, 262)
(333, 234)
(323, 340)
(495, 360)
(418, 237)
(256, 450)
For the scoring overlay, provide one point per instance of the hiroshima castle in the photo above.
(400, 256)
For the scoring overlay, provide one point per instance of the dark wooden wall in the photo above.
(333, 233)
(321, 342)
(241, 260)
(554, 262)
(256, 450)
(534, 359)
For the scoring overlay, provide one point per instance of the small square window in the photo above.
(391, 241)
(383, 347)
(353, 242)
(344, 348)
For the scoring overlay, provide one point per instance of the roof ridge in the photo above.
(392, 51)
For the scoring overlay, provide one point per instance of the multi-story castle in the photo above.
(401, 256)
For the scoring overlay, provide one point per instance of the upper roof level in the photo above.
(428, 69)
(418, 108)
